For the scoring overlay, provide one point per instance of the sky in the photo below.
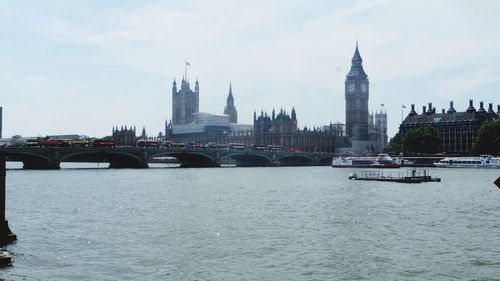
(82, 67)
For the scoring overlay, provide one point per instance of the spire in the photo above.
(357, 71)
(357, 56)
(197, 86)
(230, 95)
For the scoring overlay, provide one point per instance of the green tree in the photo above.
(394, 146)
(422, 140)
(487, 138)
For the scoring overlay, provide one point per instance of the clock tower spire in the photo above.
(356, 98)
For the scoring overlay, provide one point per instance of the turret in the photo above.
(197, 86)
(294, 115)
(174, 87)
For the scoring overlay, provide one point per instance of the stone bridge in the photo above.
(132, 157)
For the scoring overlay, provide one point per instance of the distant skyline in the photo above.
(85, 66)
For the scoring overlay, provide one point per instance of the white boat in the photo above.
(379, 161)
(483, 161)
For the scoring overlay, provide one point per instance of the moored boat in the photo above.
(483, 161)
(379, 161)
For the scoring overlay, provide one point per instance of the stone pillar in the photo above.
(6, 236)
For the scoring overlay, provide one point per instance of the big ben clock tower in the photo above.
(356, 99)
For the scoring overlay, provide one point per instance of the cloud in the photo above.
(276, 54)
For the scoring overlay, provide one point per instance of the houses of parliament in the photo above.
(362, 132)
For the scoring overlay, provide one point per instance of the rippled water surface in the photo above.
(297, 223)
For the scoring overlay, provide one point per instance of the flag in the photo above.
(403, 106)
(187, 63)
(381, 104)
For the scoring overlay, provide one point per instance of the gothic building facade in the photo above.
(185, 102)
(377, 129)
(356, 98)
(457, 130)
(230, 109)
(282, 129)
(124, 136)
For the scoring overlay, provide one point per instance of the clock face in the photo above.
(350, 88)
(364, 88)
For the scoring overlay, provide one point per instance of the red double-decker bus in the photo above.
(53, 143)
(148, 143)
(236, 146)
(104, 143)
(273, 147)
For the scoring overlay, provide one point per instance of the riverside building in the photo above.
(457, 130)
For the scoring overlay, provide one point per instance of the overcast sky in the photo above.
(85, 66)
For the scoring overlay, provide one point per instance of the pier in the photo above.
(411, 176)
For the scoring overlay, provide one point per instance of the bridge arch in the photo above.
(33, 161)
(295, 160)
(325, 161)
(116, 159)
(189, 158)
(245, 159)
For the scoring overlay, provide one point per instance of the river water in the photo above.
(286, 223)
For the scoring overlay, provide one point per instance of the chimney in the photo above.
(471, 108)
(452, 109)
(424, 110)
(490, 108)
(412, 112)
(481, 107)
(429, 110)
(498, 109)
(443, 110)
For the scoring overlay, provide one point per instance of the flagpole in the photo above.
(402, 150)
(185, 70)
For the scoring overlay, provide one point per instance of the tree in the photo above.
(422, 140)
(394, 146)
(487, 138)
